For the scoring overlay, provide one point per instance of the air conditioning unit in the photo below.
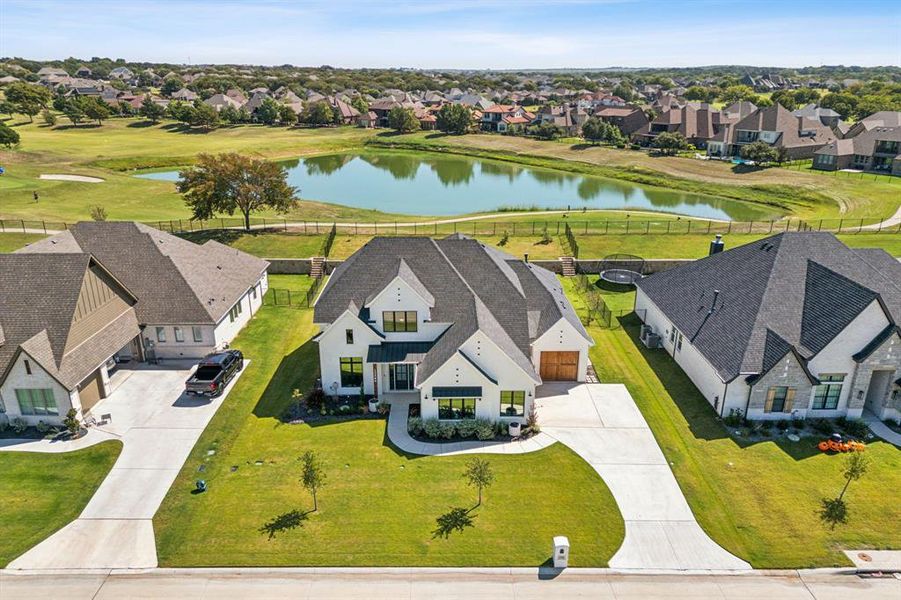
(652, 340)
(645, 331)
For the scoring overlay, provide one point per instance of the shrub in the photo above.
(431, 427)
(19, 425)
(734, 418)
(842, 422)
(42, 427)
(634, 147)
(344, 409)
(504, 239)
(4, 423)
(532, 420)
(782, 424)
(466, 428)
(447, 430)
(384, 408)
(315, 399)
(798, 424)
(501, 428)
(822, 426)
(414, 426)
(484, 429)
(856, 428)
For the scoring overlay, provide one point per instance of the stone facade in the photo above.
(789, 373)
(887, 357)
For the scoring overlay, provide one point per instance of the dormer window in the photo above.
(399, 321)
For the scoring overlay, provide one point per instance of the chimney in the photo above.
(525, 257)
(717, 245)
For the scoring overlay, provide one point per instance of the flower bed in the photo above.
(316, 406)
(437, 431)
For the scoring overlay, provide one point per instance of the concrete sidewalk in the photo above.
(158, 427)
(442, 584)
(602, 424)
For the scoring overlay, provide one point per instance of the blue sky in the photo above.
(499, 34)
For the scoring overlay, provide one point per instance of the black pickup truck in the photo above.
(214, 372)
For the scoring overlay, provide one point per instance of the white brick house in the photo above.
(467, 329)
(797, 325)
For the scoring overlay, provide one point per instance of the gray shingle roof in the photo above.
(792, 290)
(474, 288)
(175, 281)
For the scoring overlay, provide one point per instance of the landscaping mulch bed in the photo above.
(316, 408)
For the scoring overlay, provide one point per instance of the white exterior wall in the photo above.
(18, 378)
(213, 337)
(698, 369)
(333, 345)
(836, 357)
(398, 296)
(562, 337)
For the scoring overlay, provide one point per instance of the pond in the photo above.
(434, 184)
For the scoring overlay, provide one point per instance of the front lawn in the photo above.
(13, 241)
(43, 492)
(758, 500)
(379, 505)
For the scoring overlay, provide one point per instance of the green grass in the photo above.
(379, 505)
(14, 241)
(44, 492)
(758, 500)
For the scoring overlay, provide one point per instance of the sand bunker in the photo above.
(81, 178)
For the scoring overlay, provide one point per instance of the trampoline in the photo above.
(623, 269)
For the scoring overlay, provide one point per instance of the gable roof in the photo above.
(472, 287)
(38, 298)
(795, 289)
(175, 281)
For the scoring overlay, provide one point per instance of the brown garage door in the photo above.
(89, 392)
(559, 366)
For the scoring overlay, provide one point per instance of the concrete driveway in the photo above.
(158, 426)
(602, 424)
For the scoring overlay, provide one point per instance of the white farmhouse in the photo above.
(75, 306)
(796, 325)
(467, 329)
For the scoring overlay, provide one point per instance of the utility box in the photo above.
(561, 552)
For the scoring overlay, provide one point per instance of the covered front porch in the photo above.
(394, 367)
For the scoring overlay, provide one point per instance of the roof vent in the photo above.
(717, 245)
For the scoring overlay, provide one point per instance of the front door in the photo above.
(401, 377)
(559, 366)
(877, 391)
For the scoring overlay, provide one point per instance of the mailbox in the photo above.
(561, 552)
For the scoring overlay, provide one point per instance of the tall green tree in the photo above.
(760, 152)
(28, 99)
(74, 111)
(670, 143)
(594, 130)
(402, 120)
(204, 116)
(268, 112)
(230, 182)
(95, 109)
(454, 119)
(152, 111)
(318, 113)
(9, 137)
(286, 115)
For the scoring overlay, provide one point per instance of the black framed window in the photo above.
(456, 408)
(513, 403)
(36, 402)
(827, 394)
(349, 336)
(398, 321)
(401, 376)
(779, 399)
(351, 371)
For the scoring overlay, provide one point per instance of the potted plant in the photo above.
(373, 405)
(515, 429)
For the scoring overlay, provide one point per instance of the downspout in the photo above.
(748, 401)
(723, 403)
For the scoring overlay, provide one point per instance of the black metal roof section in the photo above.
(877, 341)
(398, 352)
(457, 392)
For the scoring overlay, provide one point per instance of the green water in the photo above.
(436, 184)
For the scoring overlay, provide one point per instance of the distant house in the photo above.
(885, 118)
(500, 117)
(627, 118)
(826, 116)
(569, 120)
(796, 325)
(76, 304)
(381, 108)
(48, 72)
(776, 126)
(877, 150)
(122, 73)
(83, 71)
(184, 95)
(368, 120)
(738, 110)
(697, 122)
(220, 101)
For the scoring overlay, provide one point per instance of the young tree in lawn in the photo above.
(478, 474)
(229, 182)
(312, 476)
(670, 143)
(7, 108)
(402, 120)
(152, 111)
(96, 109)
(48, 117)
(9, 137)
(760, 152)
(834, 511)
(453, 119)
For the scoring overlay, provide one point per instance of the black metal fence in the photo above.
(571, 241)
(328, 241)
(293, 298)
